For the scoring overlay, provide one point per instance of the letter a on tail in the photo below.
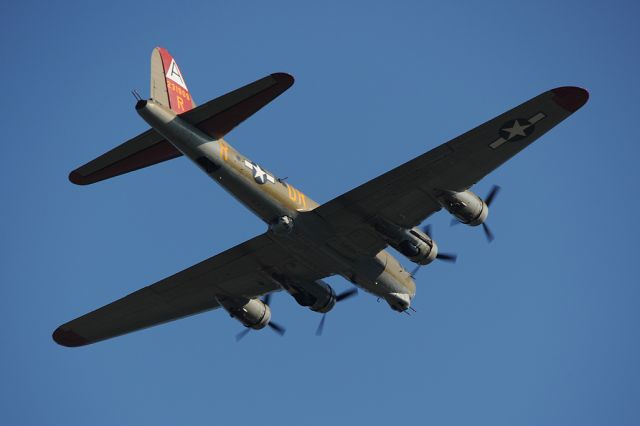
(167, 82)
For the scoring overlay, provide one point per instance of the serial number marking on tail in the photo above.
(178, 90)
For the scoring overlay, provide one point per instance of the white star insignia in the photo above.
(259, 174)
(516, 130)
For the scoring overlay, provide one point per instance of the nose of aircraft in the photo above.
(398, 301)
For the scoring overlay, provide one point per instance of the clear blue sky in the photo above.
(538, 328)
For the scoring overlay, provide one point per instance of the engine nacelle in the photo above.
(252, 313)
(316, 295)
(417, 246)
(466, 206)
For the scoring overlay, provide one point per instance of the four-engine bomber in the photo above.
(305, 241)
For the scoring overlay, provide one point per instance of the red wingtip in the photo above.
(570, 98)
(68, 338)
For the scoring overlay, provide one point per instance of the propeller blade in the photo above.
(415, 271)
(447, 257)
(347, 294)
(492, 194)
(427, 230)
(342, 296)
(320, 328)
(266, 299)
(487, 232)
(277, 328)
(243, 333)
(454, 222)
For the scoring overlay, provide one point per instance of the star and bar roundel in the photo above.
(515, 130)
(259, 175)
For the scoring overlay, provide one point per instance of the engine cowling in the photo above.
(417, 246)
(252, 313)
(466, 206)
(315, 295)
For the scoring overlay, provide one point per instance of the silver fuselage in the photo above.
(270, 198)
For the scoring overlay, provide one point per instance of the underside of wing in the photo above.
(406, 195)
(216, 118)
(144, 150)
(238, 272)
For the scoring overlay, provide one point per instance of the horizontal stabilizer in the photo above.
(216, 118)
(144, 150)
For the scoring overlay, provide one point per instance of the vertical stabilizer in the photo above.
(167, 82)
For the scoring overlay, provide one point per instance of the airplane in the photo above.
(305, 242)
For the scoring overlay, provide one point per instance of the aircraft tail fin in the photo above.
(168, 85)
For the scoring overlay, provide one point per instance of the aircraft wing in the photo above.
(215, 118)
(238, 271)
(404, 194)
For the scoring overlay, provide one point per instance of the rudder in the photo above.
(167, 82)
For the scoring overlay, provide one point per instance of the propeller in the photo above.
(339, 298)
(266, 299)
(320, 328)
(346, 294)
(487, 232)
(243, 333)
(447, 257)
(488, 200)
(277, 328)
(415, 271)
(272, 325)
(491, 195)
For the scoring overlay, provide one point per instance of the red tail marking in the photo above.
(179, 97)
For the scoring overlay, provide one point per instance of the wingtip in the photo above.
(68, 338)
(77, 178)
(283, 78)
(570, 98)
